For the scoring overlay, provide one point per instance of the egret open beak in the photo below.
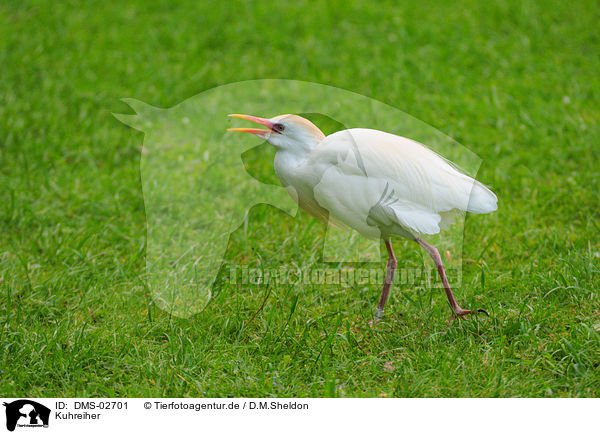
(262, 121)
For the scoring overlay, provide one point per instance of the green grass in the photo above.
(517, 82)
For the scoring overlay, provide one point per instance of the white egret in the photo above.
(379, 184)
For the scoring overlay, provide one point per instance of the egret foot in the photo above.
(376, 317)
(460, 313)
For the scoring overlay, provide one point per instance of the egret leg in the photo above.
(389, 278)
(457, 311)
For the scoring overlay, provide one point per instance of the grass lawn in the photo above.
(516, 82)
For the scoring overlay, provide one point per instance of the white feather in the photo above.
(414, 190)
(377, 183)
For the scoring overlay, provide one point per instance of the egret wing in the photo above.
(375, 181)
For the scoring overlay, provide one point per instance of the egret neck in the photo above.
(294, 138)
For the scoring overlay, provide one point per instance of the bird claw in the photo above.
(483, 311)
(377, 317)
(464, 312)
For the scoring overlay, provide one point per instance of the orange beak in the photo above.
(262, 121)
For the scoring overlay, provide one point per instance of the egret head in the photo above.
(289, 132)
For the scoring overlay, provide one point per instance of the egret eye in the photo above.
(278, 128)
